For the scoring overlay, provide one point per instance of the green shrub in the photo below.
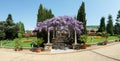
(83, 38)
(39, 41)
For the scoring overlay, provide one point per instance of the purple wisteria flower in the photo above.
(57, 22)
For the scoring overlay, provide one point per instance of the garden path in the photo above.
(109, 52)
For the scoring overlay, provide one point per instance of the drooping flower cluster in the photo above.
(56, 22)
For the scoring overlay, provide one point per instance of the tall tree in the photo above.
(81, 16)
(44, 14)
(110, 25)
(11, 28)
(102, 25)
(117, 24)
(40, 13)
(9, 20)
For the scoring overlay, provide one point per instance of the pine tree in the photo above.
(44, 14)
(9, 20)
(110, 25)
(10, 28)
(117, 24)
(81, 16)
(40, 13)
(102, 25)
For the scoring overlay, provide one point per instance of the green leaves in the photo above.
(102, 25)
(44, 14)
(39, 41)
(110, 25)
(81, 16)
(83, 38)
(2, 34)
(21, 27)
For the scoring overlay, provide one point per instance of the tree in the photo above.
(110, 25)
(2, 28)
(11, 28)
(117, 24)
(21, 27)
(9, 20)
(102, 25)
(44, 14)
(81, 16)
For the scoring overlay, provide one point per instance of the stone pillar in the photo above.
(53, 34)
(48, 37)
(75, 38)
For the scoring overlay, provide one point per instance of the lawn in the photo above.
(26, 42)
(96, 39)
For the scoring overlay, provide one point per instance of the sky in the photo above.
(26, 10)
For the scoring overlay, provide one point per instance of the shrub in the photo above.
(83, 38)
(39, 41)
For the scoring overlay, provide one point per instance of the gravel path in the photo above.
(105, 53)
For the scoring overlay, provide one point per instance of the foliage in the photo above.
(83, 38)
(2, 29)
(2, 34)
(21, 27)
(110, 25)
(81, 16)
(11, 28)
(39, 41)
(117, 24)
(17, 43)
(28, 31)
(103, 34)
(62, 21)
(102, 25)
(44, 14)
(19, 35)
(118, 36)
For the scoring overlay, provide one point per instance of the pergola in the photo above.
(61, 21)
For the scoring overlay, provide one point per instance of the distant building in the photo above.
(92, 30)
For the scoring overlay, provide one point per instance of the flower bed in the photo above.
(27, 41)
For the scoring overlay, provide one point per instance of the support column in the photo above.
(76, 45)
(53, 34)
(48, 45)
(75, 38)
(48, 37)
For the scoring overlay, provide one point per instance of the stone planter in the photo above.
(76, 46)
(48, 47)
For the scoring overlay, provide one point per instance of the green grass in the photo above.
(96, 40)
(11, 43)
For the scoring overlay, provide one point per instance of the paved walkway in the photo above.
(109, 52)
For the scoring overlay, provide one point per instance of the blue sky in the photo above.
(26, 10)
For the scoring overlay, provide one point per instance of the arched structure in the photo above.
(60, 23)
